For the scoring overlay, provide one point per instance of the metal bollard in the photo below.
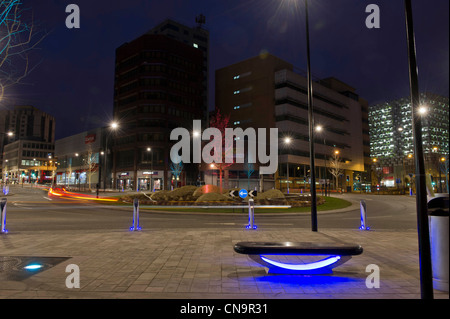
(251, 214)
(3, 216)
(135, 225)
(363, 209)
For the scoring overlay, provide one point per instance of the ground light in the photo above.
(33, 267)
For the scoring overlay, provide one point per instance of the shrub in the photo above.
(160, 195)
(271, 197)
(212, 199)
(206, 189)
(182, 193)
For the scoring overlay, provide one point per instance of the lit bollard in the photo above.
(251, 214)
(363, 209)
(135, 225)
(3, 229)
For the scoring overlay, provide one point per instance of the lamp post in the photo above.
(287, 141)
(311, 128)
(113, 126)
(149, 149)
(426, 281)
(319, 129)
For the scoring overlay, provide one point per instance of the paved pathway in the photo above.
(201, 264)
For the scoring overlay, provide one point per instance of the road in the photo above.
(31, 209)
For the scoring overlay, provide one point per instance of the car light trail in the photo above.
(62, 192)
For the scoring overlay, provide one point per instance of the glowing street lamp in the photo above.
(113, 126)
(287, 141)
(423, 110)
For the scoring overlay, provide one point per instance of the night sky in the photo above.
(74, 72)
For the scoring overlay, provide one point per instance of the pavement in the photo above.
(176, 263)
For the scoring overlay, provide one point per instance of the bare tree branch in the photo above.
(18, 37)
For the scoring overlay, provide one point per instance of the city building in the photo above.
(158, 87)
(196, 36)
(392, 143)
(27, 142)
(266, 92)
(82, 162)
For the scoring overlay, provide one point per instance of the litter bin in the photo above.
(438, 213)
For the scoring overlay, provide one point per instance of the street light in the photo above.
(113, 126)
(311, 127)
(149, 149)
(426, 277)
(319, 129)
(287, 140)
(423, 110)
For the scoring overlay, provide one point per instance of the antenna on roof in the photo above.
(200, 19)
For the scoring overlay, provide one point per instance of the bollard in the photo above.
(3, 216)
(135, 225)
(363, 209)
(251, 214)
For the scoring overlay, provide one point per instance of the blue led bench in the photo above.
(337, 255)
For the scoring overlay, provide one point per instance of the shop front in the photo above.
(150, 180)
(125, 180)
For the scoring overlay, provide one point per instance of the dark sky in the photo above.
(74, 78)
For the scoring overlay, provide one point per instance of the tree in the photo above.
(221, 122)
(335, 163)
(18, 36)
(176, 169)
(91, 161)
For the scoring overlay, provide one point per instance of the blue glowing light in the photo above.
(310, 266)
(33, 267)
(250, 227)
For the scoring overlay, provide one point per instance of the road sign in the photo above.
(234, 193)
(253, 193)
(243, 193)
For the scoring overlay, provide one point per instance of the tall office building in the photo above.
(265, 92)
(392, 144)
(158, 87)
(27, 143)
(196, 36)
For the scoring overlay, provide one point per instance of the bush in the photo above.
(271, 197)
(160, 195)
(182, 193)
(212, 199)
(206, 189)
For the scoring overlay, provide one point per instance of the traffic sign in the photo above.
(234, 193)
(253, 193)
(243, 193)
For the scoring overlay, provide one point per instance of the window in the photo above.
(242, 90)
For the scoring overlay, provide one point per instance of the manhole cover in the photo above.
(18, 268)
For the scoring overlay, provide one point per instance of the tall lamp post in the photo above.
(426, 281)
(287, 141)
(311, 128)
(319, 129)
(149, 149)
(113, 126)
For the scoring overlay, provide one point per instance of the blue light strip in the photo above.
(310, 266)
(33, 267)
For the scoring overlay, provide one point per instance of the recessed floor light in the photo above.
(33, 267)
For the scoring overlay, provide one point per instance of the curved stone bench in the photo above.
(337, 255)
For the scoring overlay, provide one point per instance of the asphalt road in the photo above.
(31, 209)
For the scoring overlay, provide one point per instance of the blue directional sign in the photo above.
(243, 193)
